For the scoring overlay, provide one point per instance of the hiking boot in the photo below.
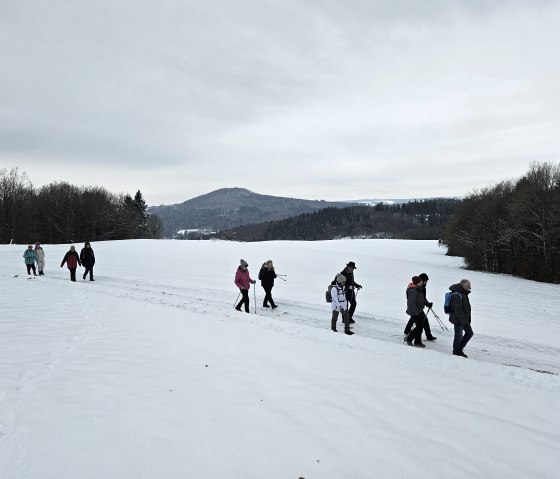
(84, 276)
(348, 332)
(334, 329)
(266, 306)
(409, 342)
(274, 306)
(351, 321)
(237, 309)
(419, 344)
(460, 353)
(431, 338)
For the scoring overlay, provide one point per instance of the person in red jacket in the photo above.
(72, 260)
(243, 281)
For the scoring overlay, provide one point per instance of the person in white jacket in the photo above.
(340, 304)
(40, 258)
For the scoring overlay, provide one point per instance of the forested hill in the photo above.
(231, 207)
(424, 219)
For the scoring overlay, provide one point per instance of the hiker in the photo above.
(351, 286)
(340, 304)
(460, 316)
(243, 281)
(415, 303)
(29, 257)
(40, 258)
(267, 276)
(427, 330)
(72, 260)
(88, 260)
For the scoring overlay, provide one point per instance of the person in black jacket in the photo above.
(460, 315)
(426, 323)
(351, 287)
(267, 276)
(415, 303)
(87, 258)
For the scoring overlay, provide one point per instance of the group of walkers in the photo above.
(243, 281)
(459, 314)
(71, 259)
(343, 293)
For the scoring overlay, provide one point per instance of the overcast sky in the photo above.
(310, 98)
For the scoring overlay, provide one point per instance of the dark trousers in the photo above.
(268, 296)
(351, 298)
(426, 323)
(31, 267)
(460, 340)
(72, 274)
(415, 333)
(89, 269)
(244, 300)
(345, 319)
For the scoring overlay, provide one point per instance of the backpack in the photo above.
(328, 295)
(447, 301)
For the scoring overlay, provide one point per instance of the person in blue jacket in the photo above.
(29, 257)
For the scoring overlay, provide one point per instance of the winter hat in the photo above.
(423, 277)
(244, 263)
(465, 284)
(340, 278)
(352, 265)
(416, 280)
(73, 248)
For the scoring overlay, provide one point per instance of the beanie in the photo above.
(340, 278)
(423, 277)
(244, 263)
(416, 280)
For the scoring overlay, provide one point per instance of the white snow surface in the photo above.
(149, 372)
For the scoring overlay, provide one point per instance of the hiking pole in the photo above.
(234, 304)
(255, 296)
(280, 276)
(443, 326)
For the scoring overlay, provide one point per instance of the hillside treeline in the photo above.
(512, 227)
(61, 213)
(423, 219)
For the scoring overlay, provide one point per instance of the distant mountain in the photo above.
(230, 207)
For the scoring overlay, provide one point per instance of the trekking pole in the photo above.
(280, 276)
(255, 297)
(234, 304)
(441, 324)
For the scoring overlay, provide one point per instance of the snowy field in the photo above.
(149, 372)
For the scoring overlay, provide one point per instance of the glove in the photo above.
(359, 287)
(253, 282)
(430, 305)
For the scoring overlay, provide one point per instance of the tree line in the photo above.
(61, 213)
(420, 219)
(512, 227)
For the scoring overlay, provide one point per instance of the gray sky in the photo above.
(310, 98)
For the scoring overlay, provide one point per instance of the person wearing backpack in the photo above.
(460, 315)
(429, 336)
(415, 302)
(339, 304)
(267, 276)
(351, 286)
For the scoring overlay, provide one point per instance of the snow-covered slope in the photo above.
(149, 372)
